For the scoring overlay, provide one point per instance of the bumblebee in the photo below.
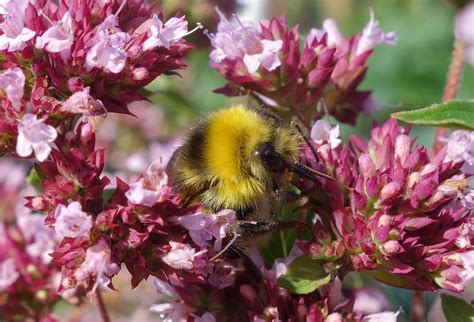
(238, 158)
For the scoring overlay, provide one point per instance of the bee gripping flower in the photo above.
(35, 135)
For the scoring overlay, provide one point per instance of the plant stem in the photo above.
(453, 80)
(417, 307)
(102, 309)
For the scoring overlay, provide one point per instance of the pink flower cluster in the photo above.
(395, 210)
(77, 59)
(268, 63)
(28, 280)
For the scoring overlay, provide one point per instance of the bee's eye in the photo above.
(273, 160)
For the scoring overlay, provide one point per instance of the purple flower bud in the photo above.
(367, 166)
(390, 192)
(391, 247)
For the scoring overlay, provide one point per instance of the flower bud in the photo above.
(390, 192)
(139, 74)
(367, 166)
(334, 317)
(402, 147)
(391, 247)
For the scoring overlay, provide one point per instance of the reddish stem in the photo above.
(417, 307)
(104, 315)
(453, 80)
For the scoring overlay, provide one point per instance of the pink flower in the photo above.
(8, 273)
(173, 308)
(460, 148)
(34, 135)
(322, 131)
(373, 35)
(82, 102)
(468, 264)
(97, 265)
(147, 190)
(242, 41)
(382, 317)
(203, 227)
(71, 221)
(12, 81)
(165, 34)
(180, 256)
(198, 225)
(223, 276)
(206, 317)
(267, 56)
(15, 34)
(331, 29)
(58, 38)
(41, 239)
(463, 30)
(108, 51)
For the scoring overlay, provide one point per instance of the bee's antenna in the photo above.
(305, 138)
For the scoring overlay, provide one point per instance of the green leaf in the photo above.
(35, 179)
(106, 195)
(456, 309)
(305, 274)
(455, 114)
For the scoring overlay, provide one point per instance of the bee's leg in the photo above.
(255, 274)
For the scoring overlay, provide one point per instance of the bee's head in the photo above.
(247, 151)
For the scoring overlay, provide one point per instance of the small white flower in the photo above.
(322, 132)
(460, 147)
(12, 81)
(8, 273)
(468, 264)
(372, 35)
(15, 34)
(71, 221)
(180, 256)
(165, 34)
(268, 57)
(334, 36)
(173, 309)
(98, 265)
(82, 102)
(147, 191)
(58, 38)
(34, 135)
(40, 238)
(206, 317)
(464, 29)
(382, 317)
(108, 51)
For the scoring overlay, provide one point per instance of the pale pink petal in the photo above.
(252, 62)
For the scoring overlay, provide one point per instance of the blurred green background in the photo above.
(406, 76)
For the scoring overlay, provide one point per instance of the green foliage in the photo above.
(35, 179)
(454, 114)
(305, 274)
(456, 309)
